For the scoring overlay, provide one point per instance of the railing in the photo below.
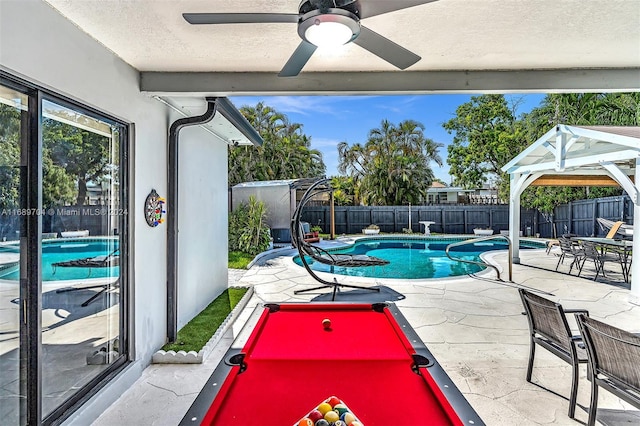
(483, 263)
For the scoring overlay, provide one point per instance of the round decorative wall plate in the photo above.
(154, 208)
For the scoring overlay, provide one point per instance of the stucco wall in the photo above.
(38, 44)
(202, 220)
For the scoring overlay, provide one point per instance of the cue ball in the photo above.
(326, 323)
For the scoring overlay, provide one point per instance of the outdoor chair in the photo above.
(614, 360)
(308, 236)
(556, 243)
(570, 249)
(549, 328)
(591, 252)
(104, 261)
(321, 255)
(614, 228)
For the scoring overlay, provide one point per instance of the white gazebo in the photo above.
(579, 156)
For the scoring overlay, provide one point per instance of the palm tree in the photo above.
(285, 154)
(392, 167)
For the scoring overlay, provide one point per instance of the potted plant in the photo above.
(371, 229)
(316, 230)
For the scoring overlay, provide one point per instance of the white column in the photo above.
(635, 266)
(514, 216)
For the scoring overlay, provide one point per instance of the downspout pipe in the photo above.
(172, 217)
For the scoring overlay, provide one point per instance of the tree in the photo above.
(285, 154)
(79, 153)
(487, 136)
(392, 167)
(343, 191)
(584, 109)
(9, 156)
(581, 109)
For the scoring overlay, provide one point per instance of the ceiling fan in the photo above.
(327, 23)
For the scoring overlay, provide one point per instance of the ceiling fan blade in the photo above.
(298, 60)
(369, 8)
(239, 18)
(385, 48)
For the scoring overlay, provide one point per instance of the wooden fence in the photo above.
(578, 217)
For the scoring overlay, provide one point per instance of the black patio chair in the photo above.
(570, 249)
(599, 257)
(614, 362)
(549, 328)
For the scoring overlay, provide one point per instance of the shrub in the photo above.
(248, 231)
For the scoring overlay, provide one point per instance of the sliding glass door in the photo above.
(13, 119)
(63, 231)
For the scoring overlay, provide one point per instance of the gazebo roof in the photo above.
(580, 156)
(580, 150)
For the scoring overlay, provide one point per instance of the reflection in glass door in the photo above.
(80, 251)
(13, 110)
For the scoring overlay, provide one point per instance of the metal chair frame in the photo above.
(321, 255)
(570, 248)
(614, 357)
(548, 327)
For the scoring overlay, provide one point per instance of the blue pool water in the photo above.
(415, 258)
(61, 250)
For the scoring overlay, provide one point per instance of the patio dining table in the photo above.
(621, 247)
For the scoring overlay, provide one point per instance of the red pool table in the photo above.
(370, 358)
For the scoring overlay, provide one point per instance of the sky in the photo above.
(329, 120)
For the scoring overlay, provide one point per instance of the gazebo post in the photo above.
(635, 266)
(514, 216)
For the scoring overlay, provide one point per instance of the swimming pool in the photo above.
(415, 258)
(60, 250)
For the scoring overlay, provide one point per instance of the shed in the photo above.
(280, 198)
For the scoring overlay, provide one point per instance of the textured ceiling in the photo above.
(459, 35)
(151, 35)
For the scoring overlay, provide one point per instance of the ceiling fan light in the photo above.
(333, 27)
(328, 34)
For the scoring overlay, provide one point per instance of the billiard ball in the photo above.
(315, 415)
(339, 423)
(305, 422)
(322, 422)
(333, 401)
(355, 423)
(326, 323)
(340, 408)
(331, 416)
(324, 408)
(348, 418)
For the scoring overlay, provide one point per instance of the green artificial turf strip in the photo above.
(198, 331)
(239, 260)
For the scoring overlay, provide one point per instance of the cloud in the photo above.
(329, 149)
(398, 104)
(305, 105)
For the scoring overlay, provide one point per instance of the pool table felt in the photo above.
(293, 364)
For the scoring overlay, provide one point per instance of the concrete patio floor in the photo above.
(473, 325)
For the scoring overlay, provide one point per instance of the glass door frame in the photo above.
(31, 179)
